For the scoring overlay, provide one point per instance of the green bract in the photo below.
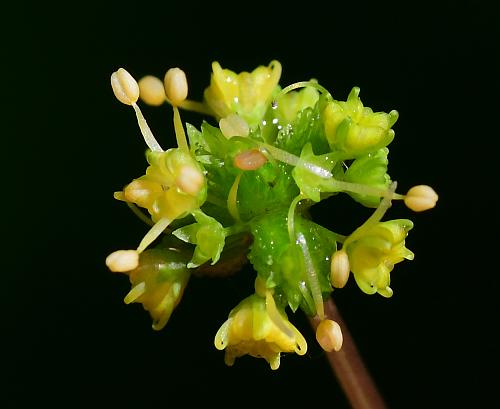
(245, 194)
(208, 235)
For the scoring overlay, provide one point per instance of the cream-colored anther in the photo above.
(122, 260)
(329, 335)
(339, 269)
(233, 125)
(152, 91)
(176, 86)
(420, 198)
(125, 87)
(190, 180)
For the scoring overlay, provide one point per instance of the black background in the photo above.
(69, 341)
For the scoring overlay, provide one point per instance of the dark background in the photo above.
(68, 339)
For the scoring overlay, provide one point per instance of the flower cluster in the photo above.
(240, 188)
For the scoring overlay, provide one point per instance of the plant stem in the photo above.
(349, 368)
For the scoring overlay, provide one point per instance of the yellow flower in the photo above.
(258, 328)
(158, 283)
(173, 185)
(356, 129)
(372, 256)
(246, 94)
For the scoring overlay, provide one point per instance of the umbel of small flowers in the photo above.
(240, 191)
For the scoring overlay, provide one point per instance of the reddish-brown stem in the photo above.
(349, 368)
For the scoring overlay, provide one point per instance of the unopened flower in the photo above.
(257, 327)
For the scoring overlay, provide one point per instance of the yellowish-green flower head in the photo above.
(355, 129)
(374, 253)
(246, 94)
(258, 328)
(158, 283)
(173, 186)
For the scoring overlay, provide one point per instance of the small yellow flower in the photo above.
(258, 328)
(356, 129)
(158, 283)
(246, 94)
(174, 185)
(372, 256)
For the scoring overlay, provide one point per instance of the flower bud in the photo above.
(420, 198)
(329, 335)
(122, 260)
(151, 90)
(125, 87)
(176, 86)
(339, 272)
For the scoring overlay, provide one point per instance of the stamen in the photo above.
(420, 198)
(376, 216)
(339, 269)
(138, 213)
(232, 199)
(135, 293)
(329, 335)
(146, 132)
(153, 233)
(195, 106)
(180, 135)
(291, 217)
(312, 276)
(124, 87)
(122, 261)
(291, 159)
(152, 91)
(303, 84)
(363, 189)
(275, 316)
